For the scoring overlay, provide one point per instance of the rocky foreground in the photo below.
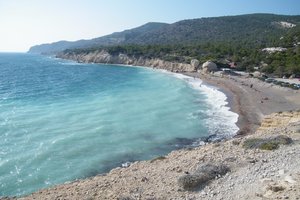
(264, 165)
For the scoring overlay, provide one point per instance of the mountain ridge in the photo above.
(257, 28)
(111, 39)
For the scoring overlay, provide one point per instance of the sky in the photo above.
(24, 23)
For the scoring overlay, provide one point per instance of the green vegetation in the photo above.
(224, 40)
(246, 56)
(267, 143)
(202, 176)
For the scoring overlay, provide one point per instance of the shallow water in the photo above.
(60, 121)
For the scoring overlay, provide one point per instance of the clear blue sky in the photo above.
(24, 23)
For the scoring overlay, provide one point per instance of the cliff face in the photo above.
(105, 57)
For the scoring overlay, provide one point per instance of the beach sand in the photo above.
(252, 103)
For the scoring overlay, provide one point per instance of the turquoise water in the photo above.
(60, 121)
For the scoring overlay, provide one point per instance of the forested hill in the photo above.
(108, 40)
(253, 29)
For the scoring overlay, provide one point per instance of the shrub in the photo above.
(212, 170)
(125, 198)
(201, 176)
(267, 143)
(191, 181)
(252, 143)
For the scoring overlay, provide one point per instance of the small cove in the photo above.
(61, 120)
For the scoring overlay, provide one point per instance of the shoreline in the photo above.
(249, 119)
(252, 104)
(246, 124)
(253, 173)
(237, 89)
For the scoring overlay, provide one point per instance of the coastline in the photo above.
(254, 173)
(220, 110)
(243, 100)
(252, 104)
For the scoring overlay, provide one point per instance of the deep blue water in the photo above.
(60, 121)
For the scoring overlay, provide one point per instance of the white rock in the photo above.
(209, 66)
(274, 49)
(289, 179)
(195, 63)
(281, 172)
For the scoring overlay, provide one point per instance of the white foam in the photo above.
(220, 121)
(71, 63)
(219, 114)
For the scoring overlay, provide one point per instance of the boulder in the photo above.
(292, 76)
(209, 66)
(256, 74)
(195, 64)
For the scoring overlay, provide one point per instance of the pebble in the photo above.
(289, 179)
(281, 172)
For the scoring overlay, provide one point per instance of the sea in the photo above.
(61, 120)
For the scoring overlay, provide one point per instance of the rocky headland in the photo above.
(106, 58)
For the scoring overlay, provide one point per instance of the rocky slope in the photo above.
(253, 173)
(105, 57)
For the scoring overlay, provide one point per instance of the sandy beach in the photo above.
(251, 171)
(252, 103)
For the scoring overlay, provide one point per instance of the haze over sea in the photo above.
(60, 121)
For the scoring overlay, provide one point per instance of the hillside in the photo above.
(112, 39)
(257, 29)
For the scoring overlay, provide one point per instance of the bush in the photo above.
(125, 198)
(201, 176)
(212, 170)
(269, 146)
(267, 143)
(252, 143)
(191, 181)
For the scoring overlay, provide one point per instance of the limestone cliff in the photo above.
(104, 57)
